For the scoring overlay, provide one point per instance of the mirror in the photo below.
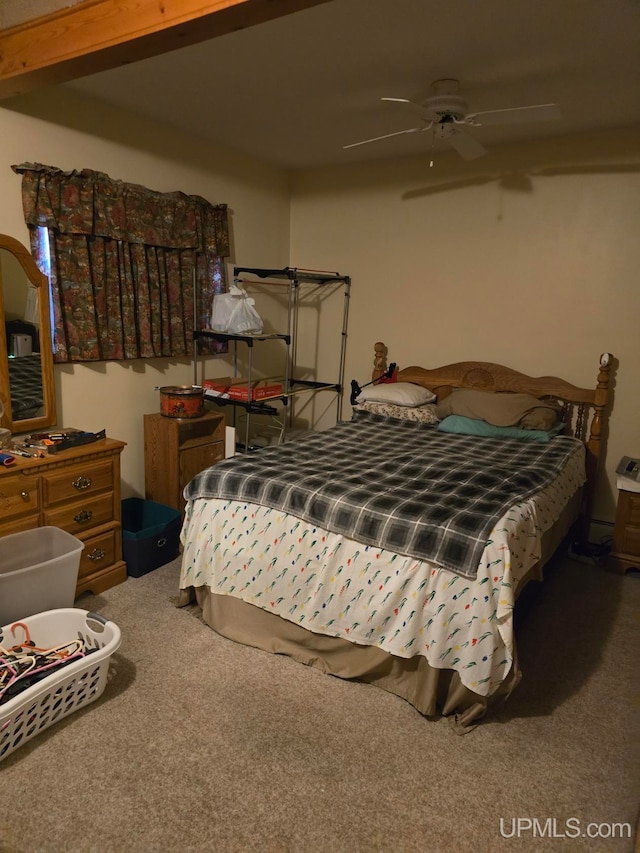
(27, 390)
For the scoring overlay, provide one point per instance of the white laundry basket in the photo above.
(68, 688)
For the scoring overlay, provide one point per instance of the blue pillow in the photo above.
(473, 426)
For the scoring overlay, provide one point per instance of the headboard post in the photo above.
(379, 360)
(599, 402)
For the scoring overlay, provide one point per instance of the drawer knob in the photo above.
(82, 516)
(81, 483)
(97, 554)
(24, 496)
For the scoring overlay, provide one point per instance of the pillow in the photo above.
(540, 417)
(500, 409)
(396, 393)
(423, 414)
(472, 426)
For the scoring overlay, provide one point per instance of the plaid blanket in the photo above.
(398, 485)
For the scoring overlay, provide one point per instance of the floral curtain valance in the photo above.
(92, 203)
(122, 262)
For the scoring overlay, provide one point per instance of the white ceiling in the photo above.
(295, 90)
(12, 13)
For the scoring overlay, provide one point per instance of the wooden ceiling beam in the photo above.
(97, 35)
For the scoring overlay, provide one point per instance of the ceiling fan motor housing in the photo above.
(445, 108)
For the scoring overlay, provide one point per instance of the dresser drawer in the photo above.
(99, 552)
(79, 480)
(27, 522)
(81, 515)
(19, 496)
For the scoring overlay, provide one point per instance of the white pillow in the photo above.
(421, 414)
(397, 393)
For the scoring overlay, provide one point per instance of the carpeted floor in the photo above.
(199, 744)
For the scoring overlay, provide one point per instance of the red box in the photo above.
(236, 388)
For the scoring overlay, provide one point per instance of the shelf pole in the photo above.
(235, 373)
(293, 329)
(247, 419)
(343, 347)
(195, 321)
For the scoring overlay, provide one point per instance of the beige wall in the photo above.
(64, 131)
(528, 257)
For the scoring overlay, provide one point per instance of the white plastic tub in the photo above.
(67, 689)
(38, 572)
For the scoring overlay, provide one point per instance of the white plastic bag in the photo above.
(223, 305)
(244, 319)
(234, 313)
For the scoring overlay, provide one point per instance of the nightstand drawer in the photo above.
(87, 479)
(196, 432)
(82, 515)
(175, 450)
(196, 459)
(625, 553)
(630, 541)
(633, 510)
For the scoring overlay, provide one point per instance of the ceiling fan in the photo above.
(446, 115)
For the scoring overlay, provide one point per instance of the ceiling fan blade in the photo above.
(515, 115)
(466, 145)
(416, 108)
(387, 136)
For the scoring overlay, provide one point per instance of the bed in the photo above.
(391, 549)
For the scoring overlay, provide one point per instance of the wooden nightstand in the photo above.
(625, 553)
(175, 450)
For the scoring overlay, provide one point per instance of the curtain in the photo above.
(122, 263)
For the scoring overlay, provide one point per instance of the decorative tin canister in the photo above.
(181, 401)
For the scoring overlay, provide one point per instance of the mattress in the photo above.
(335, 586)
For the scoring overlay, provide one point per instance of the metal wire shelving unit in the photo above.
(296, 281)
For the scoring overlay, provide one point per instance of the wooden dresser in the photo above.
(175, 450)
(77, 490)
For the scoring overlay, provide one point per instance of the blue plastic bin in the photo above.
(150, 535)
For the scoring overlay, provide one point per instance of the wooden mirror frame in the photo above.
(41, 283)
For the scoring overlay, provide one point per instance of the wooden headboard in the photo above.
(584, 410)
